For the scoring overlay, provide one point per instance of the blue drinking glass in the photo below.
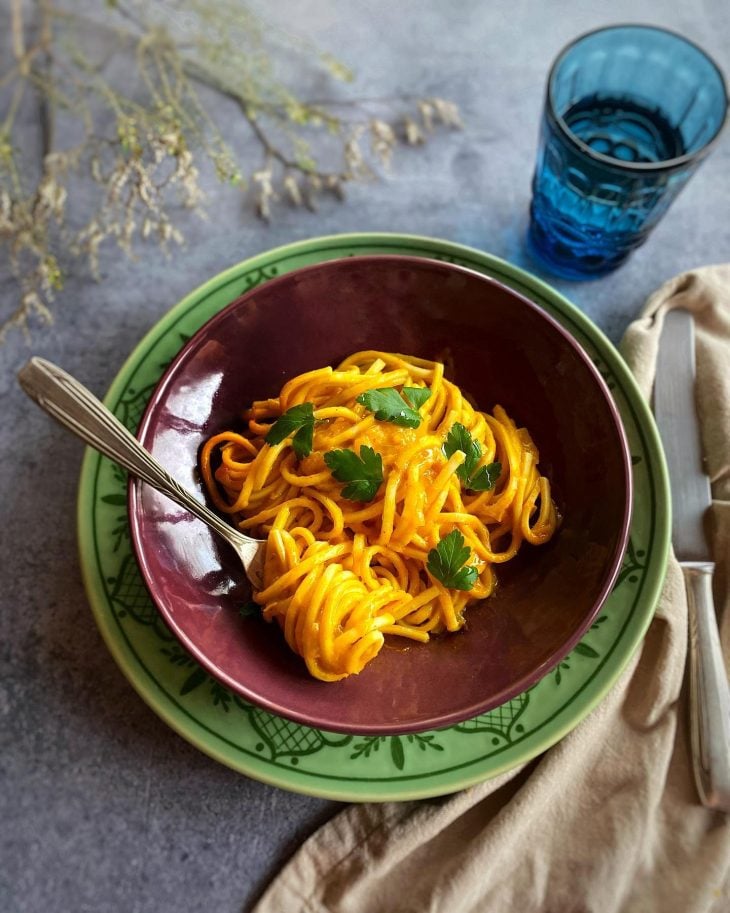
(630, 113)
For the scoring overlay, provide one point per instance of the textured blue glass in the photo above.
(630, 113)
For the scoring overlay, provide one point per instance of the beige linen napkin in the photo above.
(606, 820)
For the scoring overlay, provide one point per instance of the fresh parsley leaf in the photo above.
(482, 479)
(303, 440)
(416, 396)
(299, 419)
(459, 438)
(363, 473)
(485, 478)
(446, 562)
(389, 406)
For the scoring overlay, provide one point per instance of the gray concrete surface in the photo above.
(102, 807)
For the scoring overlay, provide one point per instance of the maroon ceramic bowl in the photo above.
(500, 348)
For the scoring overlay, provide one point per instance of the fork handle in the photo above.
(78, 410)
(709, 690)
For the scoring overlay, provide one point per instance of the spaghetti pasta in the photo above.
(439, 494)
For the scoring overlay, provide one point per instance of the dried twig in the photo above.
(149, 160)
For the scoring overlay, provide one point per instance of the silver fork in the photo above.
(78, 410)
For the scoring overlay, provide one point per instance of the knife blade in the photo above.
(676, 414)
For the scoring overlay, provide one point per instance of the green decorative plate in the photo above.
(344, 767)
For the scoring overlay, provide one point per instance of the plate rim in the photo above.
(158, 699)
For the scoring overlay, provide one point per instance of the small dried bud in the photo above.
(146, 189)
(126, 234)
(49, 199)
(413, 133)
(266, 193)
(382, 140)
(354, 159)
(427, 111)
(310, 190)
(335, 184)
(292, 189)
(447, 112)
(33, 304)
(6, 211)
(117, 180)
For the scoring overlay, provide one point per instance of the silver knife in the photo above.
(676, 414)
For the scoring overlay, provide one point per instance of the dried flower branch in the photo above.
(141, 148)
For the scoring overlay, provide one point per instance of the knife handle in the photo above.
(709, 690)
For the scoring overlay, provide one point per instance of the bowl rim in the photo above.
(134, 511)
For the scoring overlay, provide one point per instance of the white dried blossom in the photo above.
(126, 233)
(266, 193)
(382, 141)
(413, 133)
(171, 142)
(33, 304)
(159, 152)
(447, 112)
(186, 175)
(144, 186)
(55, 161)
(167, 232)
(184, 161)
(335, 185)
(291, 186)
(357, 167)
(88, 242)
(118, 180)
(6, 211)
(25, 239)
(50, 198)
(426, 110)
(310, 190)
